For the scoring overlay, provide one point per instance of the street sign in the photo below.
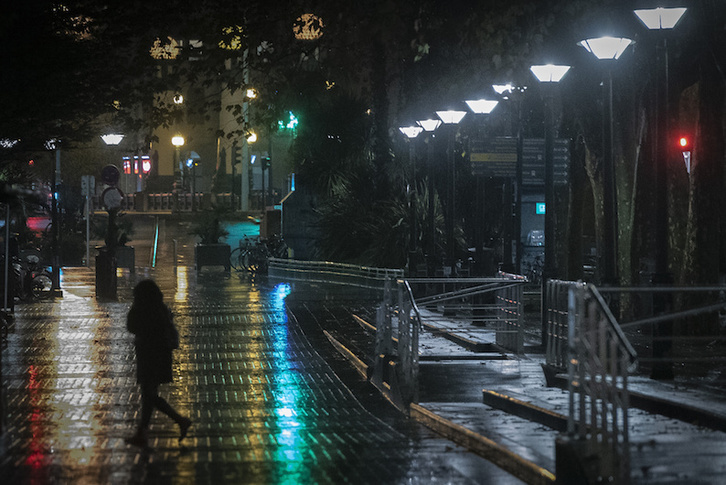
(88, 185)
(533, 162)
(497, 157)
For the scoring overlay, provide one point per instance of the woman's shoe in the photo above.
(139, 439)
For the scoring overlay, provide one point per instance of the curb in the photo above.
(359, 365)
(657, 405)
(524, 409)
(505, 459)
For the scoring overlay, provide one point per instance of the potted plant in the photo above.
(209, 251)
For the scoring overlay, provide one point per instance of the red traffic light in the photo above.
(684, 143)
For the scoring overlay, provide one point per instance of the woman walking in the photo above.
(150, 320)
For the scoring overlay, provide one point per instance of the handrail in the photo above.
(599, 360)
(294, 263)
(614, 326)
(412, 299)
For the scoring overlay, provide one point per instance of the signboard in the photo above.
(497, 157)
(533, 162)
(88, 185)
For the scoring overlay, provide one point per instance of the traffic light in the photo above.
(684, 143)
(265, 163)
(235, 154)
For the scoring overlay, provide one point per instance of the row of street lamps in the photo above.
(606, 48)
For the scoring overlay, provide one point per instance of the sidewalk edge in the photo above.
(499, 455)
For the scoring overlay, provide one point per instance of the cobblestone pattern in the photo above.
(266, 408)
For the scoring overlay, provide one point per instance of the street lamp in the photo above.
(112, 139)
(608, 49)
(178, 142)
(660, 19)
(451, 117)
(429, 126)
(482, 106)
(506, 91)
(412, 132)
(549, 75)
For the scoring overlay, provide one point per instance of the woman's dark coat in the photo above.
(155, 339)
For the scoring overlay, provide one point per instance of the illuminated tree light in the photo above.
(231, 38)
(165, 51)
(308, 27)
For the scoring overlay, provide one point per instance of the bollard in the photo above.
(106, 280)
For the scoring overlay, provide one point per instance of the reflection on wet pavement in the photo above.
(266, 407)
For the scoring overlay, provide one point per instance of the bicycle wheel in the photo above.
(41, 286)
(256, 259)
(236, 260)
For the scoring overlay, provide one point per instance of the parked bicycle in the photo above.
(252, 255)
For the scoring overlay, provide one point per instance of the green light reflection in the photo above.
(291, 445)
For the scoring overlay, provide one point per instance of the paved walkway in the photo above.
(266, 406)
(273, 402)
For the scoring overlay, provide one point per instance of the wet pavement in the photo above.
(269, 402)
(274, 402)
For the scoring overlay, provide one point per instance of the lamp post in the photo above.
(506, 91)
(411, 133)
(661, 19)
(608, 49)
(249, 139)
(549, 75)
(111, 140)
(451, 118)
(430, 126)
(178, 142)
(480, 107)
(55, 145)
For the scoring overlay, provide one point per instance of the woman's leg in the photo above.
(158, 402)
(149, 394)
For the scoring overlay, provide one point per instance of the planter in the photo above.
(212, 255)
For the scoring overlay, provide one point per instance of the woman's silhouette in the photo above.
(150, 320)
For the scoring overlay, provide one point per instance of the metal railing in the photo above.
(483, 300)
(166, 201)
(328, 272)
(510, 313)
(556, 330)
(395, 368)
(600, 360)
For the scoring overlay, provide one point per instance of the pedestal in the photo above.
(106, 281)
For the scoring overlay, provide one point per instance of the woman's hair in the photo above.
(147, 294)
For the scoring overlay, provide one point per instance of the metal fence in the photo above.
(166, 202)
(600, 358)
(510, 312)
(328, 272)
(395, 368)
(556, 329)
(476, 303)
